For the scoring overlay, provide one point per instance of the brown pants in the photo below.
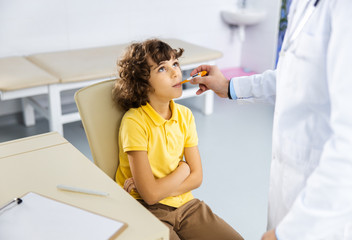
(193, 221)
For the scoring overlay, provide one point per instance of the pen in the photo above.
(81, 190)
(200, 74)
(15, 200)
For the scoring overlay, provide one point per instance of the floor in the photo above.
(235, 146)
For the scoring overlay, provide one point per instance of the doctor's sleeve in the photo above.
(258, 87)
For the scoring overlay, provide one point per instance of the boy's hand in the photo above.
(129, 185)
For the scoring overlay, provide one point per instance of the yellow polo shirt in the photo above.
(143, 129)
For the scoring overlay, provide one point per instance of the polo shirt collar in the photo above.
(157, 119)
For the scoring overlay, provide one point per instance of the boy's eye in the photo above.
(176, 64)
(162, 69)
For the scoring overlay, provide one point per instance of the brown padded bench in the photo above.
(52, 73)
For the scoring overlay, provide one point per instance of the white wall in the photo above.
(35, 26)
(259, 49)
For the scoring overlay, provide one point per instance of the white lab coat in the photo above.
(310, 194)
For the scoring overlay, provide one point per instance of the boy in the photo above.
(155, 134)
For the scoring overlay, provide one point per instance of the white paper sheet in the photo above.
(39, 217)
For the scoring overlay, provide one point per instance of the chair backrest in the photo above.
(101, 121)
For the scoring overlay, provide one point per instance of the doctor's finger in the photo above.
(200, 80)
(201, 68)
(202, 89)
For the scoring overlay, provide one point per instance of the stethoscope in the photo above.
(307, 13)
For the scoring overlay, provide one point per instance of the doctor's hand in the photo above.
(129, 185)
(269, 235)
(214, 80)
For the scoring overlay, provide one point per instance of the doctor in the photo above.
(311, 171)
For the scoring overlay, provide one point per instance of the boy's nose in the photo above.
(173, 72)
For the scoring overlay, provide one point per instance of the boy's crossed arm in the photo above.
(195, 178)
(183, 179)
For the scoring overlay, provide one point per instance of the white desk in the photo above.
(41, 162)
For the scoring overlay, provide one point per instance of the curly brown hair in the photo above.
(131, 89)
